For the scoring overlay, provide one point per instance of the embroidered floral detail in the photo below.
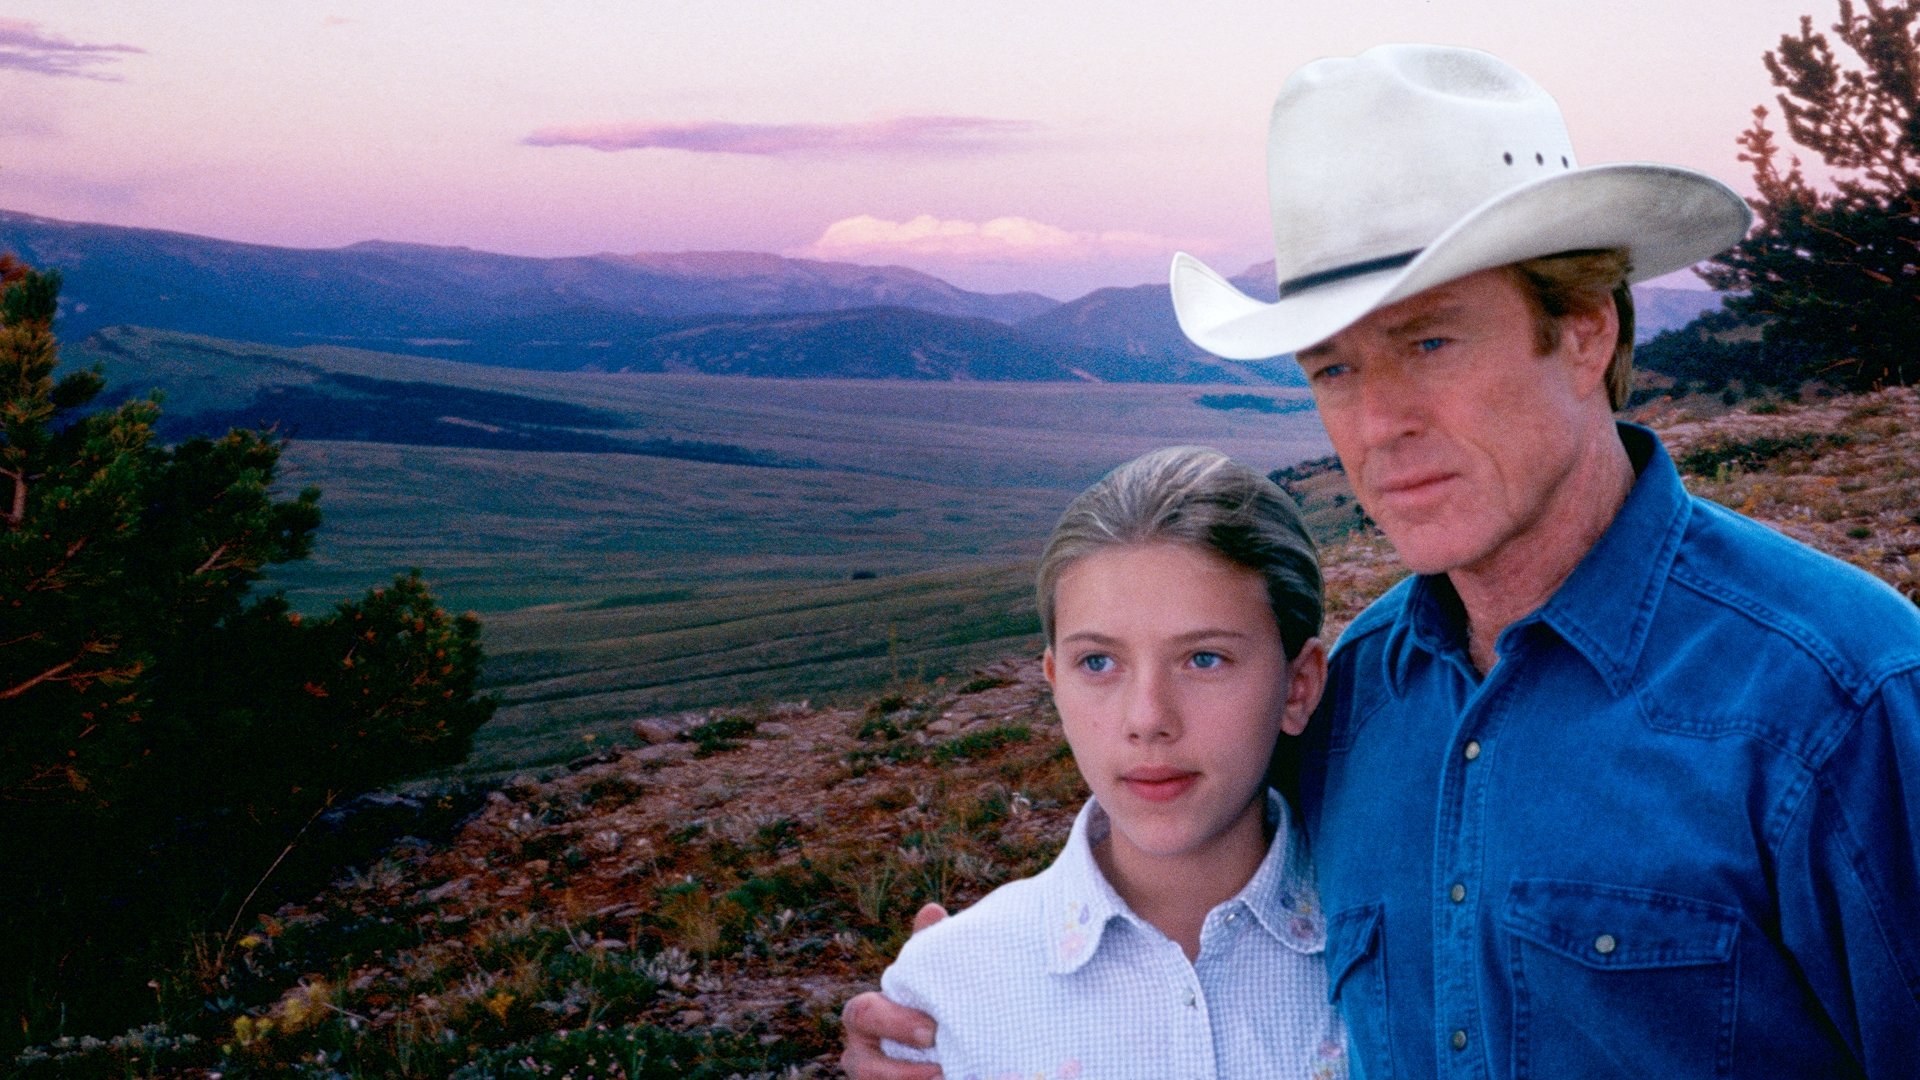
(1305, 926)
(1330, 1061)
(1069, 1070)
(1073, 933)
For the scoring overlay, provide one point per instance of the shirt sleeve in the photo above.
(906, 982)
(1850, 881)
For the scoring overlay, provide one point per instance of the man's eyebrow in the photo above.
(1436, 317)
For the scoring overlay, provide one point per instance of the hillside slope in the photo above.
(705, 896)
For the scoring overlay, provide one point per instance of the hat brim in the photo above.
(1667, 218)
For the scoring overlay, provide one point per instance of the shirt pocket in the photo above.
(1617, 981)
(1357, 985)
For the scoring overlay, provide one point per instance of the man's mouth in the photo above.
(1414, 488)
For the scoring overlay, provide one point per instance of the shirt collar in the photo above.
(1605, 607)
(1080, 903)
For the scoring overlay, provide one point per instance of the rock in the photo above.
(665, 752)
(692, 1017)
(588, 761)
(942, 726)
(773, 729)
(537, 867)
(653, 731)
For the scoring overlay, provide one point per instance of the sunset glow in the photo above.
(1004, 146)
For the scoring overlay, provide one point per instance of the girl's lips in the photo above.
(1158, 785)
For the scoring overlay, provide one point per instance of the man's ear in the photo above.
(1306, 679)
(1588, 336)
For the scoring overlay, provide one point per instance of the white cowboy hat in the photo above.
(1411, 165)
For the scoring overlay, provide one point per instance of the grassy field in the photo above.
(889, 544)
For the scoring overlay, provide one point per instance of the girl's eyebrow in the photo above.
(1210, 633)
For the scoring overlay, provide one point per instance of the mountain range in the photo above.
(739, 313)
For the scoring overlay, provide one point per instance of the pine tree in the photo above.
(166, 730)
(1835, 270)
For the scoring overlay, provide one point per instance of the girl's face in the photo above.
(1172, 684)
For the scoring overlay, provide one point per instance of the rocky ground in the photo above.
(717, 888)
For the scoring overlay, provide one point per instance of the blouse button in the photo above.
(1471, 750)
(1604, 944)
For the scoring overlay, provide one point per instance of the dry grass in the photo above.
(649, 908)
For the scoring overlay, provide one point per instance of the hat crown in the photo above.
(1374, 156)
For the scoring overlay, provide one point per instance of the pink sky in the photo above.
(1003, 145)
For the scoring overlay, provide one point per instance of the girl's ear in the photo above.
(1046, 664)
(1306, 678)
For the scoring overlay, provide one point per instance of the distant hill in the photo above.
(1659, 310)
(897, 343)
(740, 313)
(1138, 321)
(421, 299)
(211, 385)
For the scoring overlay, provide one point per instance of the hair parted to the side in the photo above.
(1557, 285)
(1195, 495)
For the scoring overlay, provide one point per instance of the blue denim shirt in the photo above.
(1673, 833)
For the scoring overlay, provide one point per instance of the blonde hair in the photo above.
(1556, 286)
(1195, 495)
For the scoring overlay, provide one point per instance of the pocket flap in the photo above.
(1352, 936)
(1614, 926)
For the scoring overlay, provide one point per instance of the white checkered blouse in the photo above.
(1054, 978)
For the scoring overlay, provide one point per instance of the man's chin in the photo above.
(1428, 548)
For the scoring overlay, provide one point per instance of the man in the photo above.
(1620, 783)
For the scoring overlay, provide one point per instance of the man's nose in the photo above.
(1391, 403)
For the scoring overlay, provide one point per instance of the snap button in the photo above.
(1457, 893)
(1459, 1040)
(1604, 944)
(1471, 750)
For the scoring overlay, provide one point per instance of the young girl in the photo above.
(1177, 934)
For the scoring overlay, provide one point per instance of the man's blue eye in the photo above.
(1208, 660)
(1097, 663)
(1331, 371)
(1427, 345)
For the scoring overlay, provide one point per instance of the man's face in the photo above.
(1455, 433)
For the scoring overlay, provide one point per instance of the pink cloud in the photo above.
(25, 47)
(900, 135)
(1002, 239)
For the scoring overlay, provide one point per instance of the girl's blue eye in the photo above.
(1097, 663)
(1207, 660)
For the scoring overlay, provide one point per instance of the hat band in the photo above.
(1341, 273)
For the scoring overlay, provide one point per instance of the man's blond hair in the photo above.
(1556, 286)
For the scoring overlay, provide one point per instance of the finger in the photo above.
(927, 916)
(869, 1018)
(860, 1063)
